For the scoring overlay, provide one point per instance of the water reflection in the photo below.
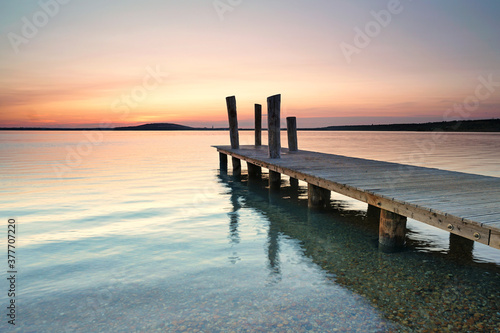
(419, 290)
(234, 234)
(273, 249)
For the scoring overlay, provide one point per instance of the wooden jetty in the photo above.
(463, 204)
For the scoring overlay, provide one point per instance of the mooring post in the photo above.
(318, 197)
(258, 124)
(255, 171)
(233, 132)
(273, 125)
(274, 139)
(392, 229)
(291, 128)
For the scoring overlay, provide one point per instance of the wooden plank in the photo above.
(457, 200)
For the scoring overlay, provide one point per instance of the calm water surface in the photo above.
(139, 232)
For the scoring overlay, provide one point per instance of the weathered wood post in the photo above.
(373, 214)
(255, 171)
(223, 162)
(291, 128)
(274, 138)
(461, 247)
(318, 197)
(258, 124)
(392, 229)
(233, 132)
(273, 125)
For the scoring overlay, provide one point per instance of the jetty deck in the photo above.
(463, 204)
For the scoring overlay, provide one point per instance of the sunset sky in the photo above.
(82, 63)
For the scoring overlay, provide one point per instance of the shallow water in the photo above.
(138, 231)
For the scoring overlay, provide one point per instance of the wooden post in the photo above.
(273, 125)
(258, 124)
(236, 166)
(294, 183)
(392, 229)
(317, 197)
(461, 248)
(291, 128)
(254, 171)
(223, 162)
(373, 214)
(233, 132)
(233, 122)
(274, 180)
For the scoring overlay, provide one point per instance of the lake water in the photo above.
(140, 232)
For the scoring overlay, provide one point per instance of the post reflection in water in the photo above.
(419, 290)
(273, 249)
(234, 235)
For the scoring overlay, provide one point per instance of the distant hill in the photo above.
(486, 125)
(155, 127)
(144, 127)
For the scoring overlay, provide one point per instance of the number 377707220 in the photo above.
(11, 246)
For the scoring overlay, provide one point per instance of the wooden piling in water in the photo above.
(291, 128)
(254, 171)
(373, 214)
(392, 230)
(233, 131)
(222, 162)
(273, 125)
(317, 197)
(233, 122)
(258, 124)
(461, 247)
(274, 180)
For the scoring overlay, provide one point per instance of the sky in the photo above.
(108, 63)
